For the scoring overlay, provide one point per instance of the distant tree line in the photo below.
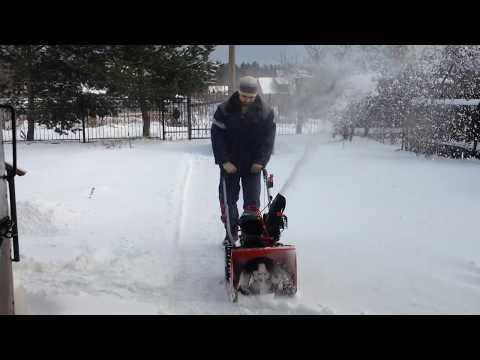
(48, 82)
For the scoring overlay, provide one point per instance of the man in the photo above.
(243, 134)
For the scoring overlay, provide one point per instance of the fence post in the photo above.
(83, 126)
(189, 112)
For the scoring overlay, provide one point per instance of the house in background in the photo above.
(218, 89)
(276, 92)
(282, 92)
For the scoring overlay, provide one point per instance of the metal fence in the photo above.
(175, 119)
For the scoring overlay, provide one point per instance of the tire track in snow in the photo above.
(198, 286)
(183, 203)
(93, 272)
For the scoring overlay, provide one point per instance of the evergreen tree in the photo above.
(27, 63)
(145, 74)
(47, 82)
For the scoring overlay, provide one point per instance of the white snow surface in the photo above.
(133, 227)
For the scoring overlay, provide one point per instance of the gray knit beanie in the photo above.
(248, 85)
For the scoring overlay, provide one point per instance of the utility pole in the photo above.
(231, 69)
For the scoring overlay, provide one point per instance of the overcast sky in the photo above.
(263, 54)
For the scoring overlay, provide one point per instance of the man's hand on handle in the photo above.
(256, 168)
(229, 168)
(232, 169)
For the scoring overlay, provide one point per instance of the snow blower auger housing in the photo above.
(261, 264)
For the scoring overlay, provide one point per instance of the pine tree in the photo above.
(47, 82)
(27, 63)
(145, 74)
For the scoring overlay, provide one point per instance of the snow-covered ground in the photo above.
(133, 228)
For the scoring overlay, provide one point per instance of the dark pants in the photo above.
(251, 188)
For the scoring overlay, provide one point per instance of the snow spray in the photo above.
(299, 165)
(338, 82)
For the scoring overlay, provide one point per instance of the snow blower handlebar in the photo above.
(227, 212)
(268, 184)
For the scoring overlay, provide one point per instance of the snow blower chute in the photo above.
(260, 264)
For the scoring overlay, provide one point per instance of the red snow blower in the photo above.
(260, 264)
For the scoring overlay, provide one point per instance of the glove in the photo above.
(256, 168)
(229, 168)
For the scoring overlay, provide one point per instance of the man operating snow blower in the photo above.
(243, 135)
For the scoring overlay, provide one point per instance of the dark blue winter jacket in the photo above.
(243, 139)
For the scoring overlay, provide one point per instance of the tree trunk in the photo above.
(146, 119)
(31, 115)
(30, 94)
(299, 124)
(476, 130)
